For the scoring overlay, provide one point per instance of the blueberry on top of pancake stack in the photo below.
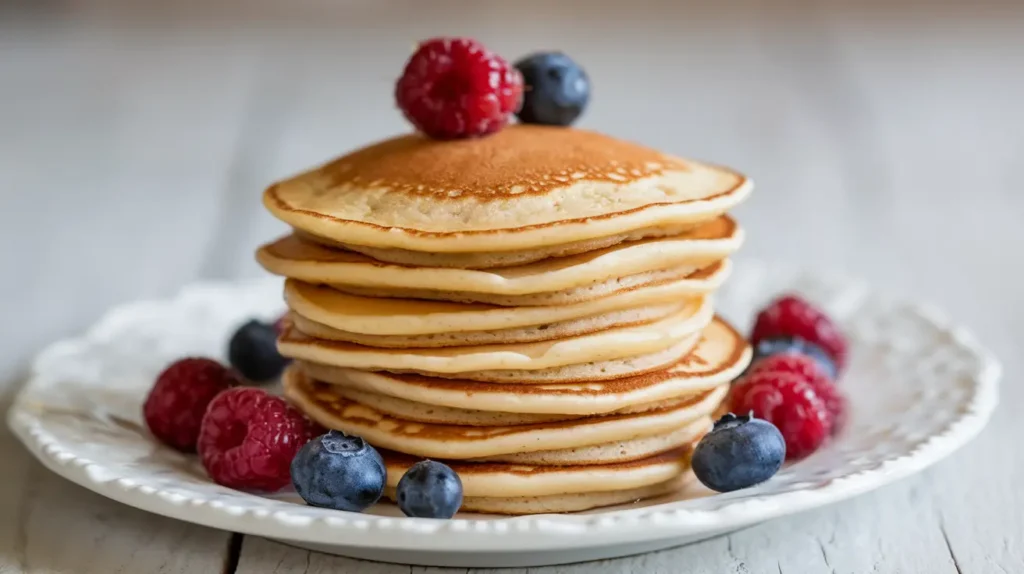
(531, 303)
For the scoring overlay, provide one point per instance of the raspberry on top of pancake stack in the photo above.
(531, 304)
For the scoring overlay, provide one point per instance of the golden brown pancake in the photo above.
(411, 317)
(614, 451)
(531, 334)
(564, 503)
(509, 479)
(523, 188)
(693, 280)
(616, 351)
(720, 356)
(528, 489)
(332, 410)
(312, 263)
(427, 413)
(492, 259)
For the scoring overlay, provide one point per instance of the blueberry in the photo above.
(555, 89)
(430, 489)
(775, 346)
(739, 452)
(340, 472)
(252, 351)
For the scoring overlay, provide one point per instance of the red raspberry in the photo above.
(175, 405)
(835, 403)
(811, 371)
(456, 88)
(249, 439)
(790, 403)
(791, 316)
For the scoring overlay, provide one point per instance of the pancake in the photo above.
(570, 476)
(497, 362)
(312, 263)
(615, 451)
(543, 332)
(426, 413)
(515, 480)
(525, 187)
(694, 280)
(332, 410)
(410, 317)
(585, 372)
(556, 503)
(720, 356)
(492, 259)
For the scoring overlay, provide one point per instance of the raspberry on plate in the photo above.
(249, 438)
(795, 363)
(811, 371)
(790, 403)
(791, 316)
(456, 88)
(175, 405)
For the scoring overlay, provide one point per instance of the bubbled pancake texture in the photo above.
(522, 177)
(570, 361)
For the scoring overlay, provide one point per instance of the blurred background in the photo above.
(886, 138)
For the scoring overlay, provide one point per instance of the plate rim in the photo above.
(551, 531)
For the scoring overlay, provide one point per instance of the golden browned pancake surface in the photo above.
(524, 187)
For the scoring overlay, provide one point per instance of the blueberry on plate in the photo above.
(430, 489)
(555, 89)
(340, 472)
(252, 351)
(778, 345)
(739, 452)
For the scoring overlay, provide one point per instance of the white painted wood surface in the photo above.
(885, 140)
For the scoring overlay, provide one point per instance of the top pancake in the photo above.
(525, 187)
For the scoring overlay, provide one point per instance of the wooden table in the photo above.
(886, 140)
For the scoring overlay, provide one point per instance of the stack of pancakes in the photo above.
(533, 307)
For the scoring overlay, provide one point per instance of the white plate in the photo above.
(919, 389)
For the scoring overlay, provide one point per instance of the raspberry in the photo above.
(791, 316)
(790, 403)
(835, 403)
(810, 370)
(794, 363)
(249, 438)
(175, 405)
(456, 88)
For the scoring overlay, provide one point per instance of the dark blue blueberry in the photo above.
(430, 489)
(775, 346)
(555, 89)
(339, 471)
(252, 351)
(739, 452)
